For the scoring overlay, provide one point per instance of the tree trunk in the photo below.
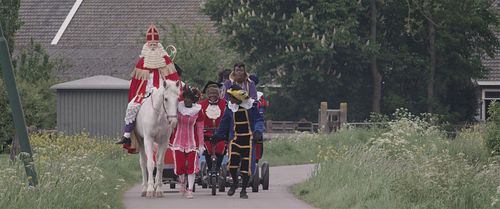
(432, 53)
(376, 76)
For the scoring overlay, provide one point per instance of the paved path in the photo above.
(278, 195)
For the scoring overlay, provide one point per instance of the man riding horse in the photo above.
(154, 65)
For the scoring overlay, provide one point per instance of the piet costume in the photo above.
(187, 142)
(242, 124)
(246, 84)
(213, 109)
(262, 106)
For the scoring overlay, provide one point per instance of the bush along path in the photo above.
(409, 164)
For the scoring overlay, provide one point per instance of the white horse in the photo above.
(155, 122)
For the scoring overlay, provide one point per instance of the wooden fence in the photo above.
(328, 120)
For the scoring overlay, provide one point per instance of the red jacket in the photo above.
(212, 123)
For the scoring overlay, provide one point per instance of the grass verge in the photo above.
(73, 172)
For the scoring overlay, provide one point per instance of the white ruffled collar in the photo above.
(247, 104)
(259, 95)
(213, 111)
(195, 109)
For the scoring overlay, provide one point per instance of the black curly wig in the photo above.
(191, 92)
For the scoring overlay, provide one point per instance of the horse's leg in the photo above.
(142, 162)
(160, 155)
(148, 147)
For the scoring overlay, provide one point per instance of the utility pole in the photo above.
(17, 111)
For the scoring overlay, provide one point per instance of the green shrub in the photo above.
(73, 172)
(493, 131)
(410, 164)
(34, 75)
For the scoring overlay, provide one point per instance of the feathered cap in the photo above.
(237, 92)
(211, 84)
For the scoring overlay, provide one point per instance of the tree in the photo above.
(200, 55)
(323, 50)
(376, 76)
(9, 12)
(312, 47)
(458, 34)
(34, 76)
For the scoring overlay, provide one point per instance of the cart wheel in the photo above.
(214, 184)
(265, 176)
(222, 179)
(203, 174)
(172, 186)
(255, 180)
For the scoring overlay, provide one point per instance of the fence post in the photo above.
(343, 113)
(323, 117)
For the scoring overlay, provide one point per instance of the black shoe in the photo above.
(231, 191)
(124, 140)
(243, 194)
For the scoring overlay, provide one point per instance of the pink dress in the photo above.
(188, 138)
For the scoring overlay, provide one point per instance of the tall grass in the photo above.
(73, 172)
(302, 148)
(410, 165)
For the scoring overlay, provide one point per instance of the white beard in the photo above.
(153, 59)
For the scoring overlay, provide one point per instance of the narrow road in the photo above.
(278, 195)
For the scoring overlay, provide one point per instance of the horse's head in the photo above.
(171, 98)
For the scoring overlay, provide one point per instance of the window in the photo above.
(489, 95)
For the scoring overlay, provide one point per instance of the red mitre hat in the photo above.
(152, 34)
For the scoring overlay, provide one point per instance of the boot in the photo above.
(126, 134)
(233, 188)
(124, 140)
(243, 193)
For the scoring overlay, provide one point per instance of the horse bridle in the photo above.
(164, 108)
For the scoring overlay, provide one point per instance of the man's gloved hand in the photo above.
(257, 136)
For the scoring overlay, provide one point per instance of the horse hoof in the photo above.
(159, 194)
(143, 194)
(149, 194)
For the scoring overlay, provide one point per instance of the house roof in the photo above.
(103, 37)
(493, 64)
(95, 82)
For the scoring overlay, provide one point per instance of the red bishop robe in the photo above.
(141, 75)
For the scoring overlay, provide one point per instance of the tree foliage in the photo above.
(311, 47)
(34, 76)
(320, 51)
(200, 54)
(9, 13)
